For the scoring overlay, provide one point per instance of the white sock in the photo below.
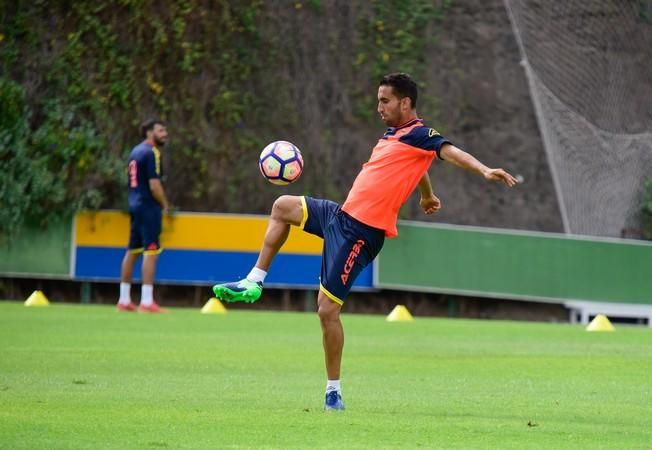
(125, 293)
(333, 385)
(257, 275)
(147, 295)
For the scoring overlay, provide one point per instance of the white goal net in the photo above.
(589, 67)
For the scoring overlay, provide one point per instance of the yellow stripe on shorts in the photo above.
(329, 295)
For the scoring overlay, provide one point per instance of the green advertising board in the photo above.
(518, 265)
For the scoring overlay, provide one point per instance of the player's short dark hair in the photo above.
(403, 85)
(148, 125)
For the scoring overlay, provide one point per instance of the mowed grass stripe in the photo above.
(75, 376)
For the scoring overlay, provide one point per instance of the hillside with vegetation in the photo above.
(76, 79)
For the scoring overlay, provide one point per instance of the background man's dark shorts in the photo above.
(145, 230)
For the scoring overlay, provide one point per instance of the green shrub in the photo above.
(51, 171)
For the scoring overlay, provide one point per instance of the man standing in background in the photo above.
(147, 204)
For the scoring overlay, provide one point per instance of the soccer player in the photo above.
(147, 204)
(354, 232)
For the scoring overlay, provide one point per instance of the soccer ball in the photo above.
(281, 162)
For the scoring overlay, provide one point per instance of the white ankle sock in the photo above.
(147, 294)
(333, 385)
(125, 293)
(257, 275)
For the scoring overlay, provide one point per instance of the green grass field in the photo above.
(75, 376)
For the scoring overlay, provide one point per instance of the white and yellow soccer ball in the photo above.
(281, 162)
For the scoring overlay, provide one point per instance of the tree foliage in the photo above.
(76, 79)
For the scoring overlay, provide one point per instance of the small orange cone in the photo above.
(37, 299)
(213, 306)
(600, 323)
(400, 314)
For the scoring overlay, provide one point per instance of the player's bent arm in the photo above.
(424, 186)
(466, 161)
(159, 193)
(429, 201)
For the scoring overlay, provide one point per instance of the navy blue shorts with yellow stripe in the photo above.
(145, 230)
(349, 245)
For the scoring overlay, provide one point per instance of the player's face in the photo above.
(159, 135)
(393, 111)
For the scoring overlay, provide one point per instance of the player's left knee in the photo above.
(328, 310)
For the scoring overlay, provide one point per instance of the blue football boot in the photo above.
(333, 401)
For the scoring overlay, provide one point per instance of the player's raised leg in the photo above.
(287, 210)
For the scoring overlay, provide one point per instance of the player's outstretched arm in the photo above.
(429, 201)
(466, 161)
